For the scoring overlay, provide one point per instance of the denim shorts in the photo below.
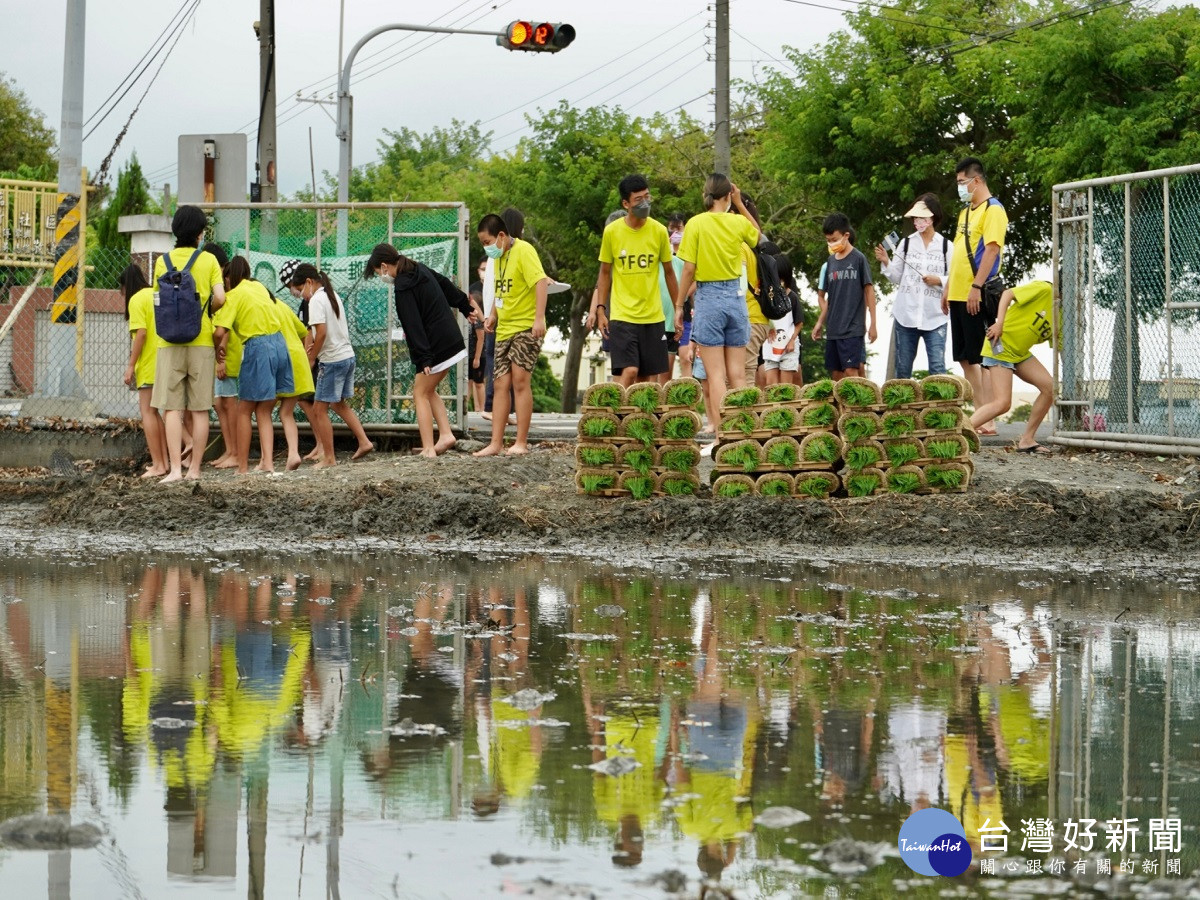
(990, 363)
(226, 387)
(335, 381)
(266, 369)
(720, 318)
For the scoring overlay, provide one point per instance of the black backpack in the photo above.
(945, 247)
(177, 310)
(772, 298)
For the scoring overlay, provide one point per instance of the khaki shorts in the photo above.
(758, 334)
(183, 378)
(522, 349)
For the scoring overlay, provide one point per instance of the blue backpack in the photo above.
(177, 310)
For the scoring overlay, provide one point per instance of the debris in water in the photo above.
(409, 728)
(38, 832)
(169, 723)
(615, 766)
(780, 817)
(846, 856)
(529, 699)
(610, 611)
(588, 636)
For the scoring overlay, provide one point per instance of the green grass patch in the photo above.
(597, 482)
(903, 482)
(745, 422)
(732, 488)
(678, 487)
(775, 487)
(899, 394)
(599, 427)
(640, 487)
(898, 424)
(783, 453)
(679, 427)
(940, 390)
(939, 419)
(640, 430)
(644, 396)
(937, 477)
(743, 397)
(607, 394)
(820, 415)
(862, 457)
(782, 393)
(640, 460)
(862, 485)
(813, 486)
(945, 449)
(822, 448)
(902, 453)
(856, 428)
(853, 393)
(684, 393)
(744, 455)
(679, 460)
(782, 419)
(818, 390)
(597, 456)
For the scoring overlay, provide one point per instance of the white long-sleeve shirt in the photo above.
(917, 304)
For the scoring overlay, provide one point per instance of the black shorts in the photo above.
(967, 334)
(475, 374)
(643, 347)
(672, 344)
(845, 353)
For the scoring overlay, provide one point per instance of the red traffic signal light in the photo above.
(538, 37)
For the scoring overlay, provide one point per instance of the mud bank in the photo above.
(1088, 507)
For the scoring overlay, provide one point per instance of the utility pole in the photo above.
(265, 168)
(721, 138)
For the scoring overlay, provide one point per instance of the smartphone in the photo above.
(891, 242)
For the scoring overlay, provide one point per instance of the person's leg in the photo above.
(245, 409)
(906, 348)
(769, 372)
(523, 398)
(750, 355)
(266, 435)
(1032, 372)
(291, 434)
(423, 401)
(489, 369)
(935, 349)
(201, 371)
(500, 407)
(323, 431)
(714, 381)
(173, 429)
(446, 438)
(152, 428)
(686, 354)
(1001, 380)
(735, 368)
(349, 416)
(478, 388)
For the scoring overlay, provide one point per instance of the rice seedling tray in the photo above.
(757, 434)
(605, 492)
(805, 430)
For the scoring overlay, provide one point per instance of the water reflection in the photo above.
(424, 727)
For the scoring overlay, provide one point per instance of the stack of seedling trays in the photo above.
(777, 441)
(926, 437)
(641, 441)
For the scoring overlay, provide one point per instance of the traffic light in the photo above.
(538, 37)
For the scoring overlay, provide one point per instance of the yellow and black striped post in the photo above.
(68, 246)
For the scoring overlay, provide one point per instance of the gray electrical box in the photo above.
(213, 168)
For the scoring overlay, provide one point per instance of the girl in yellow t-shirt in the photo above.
(139, 374)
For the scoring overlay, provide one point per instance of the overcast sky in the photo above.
(210, 83)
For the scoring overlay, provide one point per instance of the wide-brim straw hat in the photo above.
(919, 210)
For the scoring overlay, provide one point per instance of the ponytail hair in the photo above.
(236, 271)
(389, 255)
(716, 187)
(308, 272)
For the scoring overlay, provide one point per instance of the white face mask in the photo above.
(922, 224)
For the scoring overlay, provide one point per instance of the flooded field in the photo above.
(424, 726)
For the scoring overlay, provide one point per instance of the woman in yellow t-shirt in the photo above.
(139, 374)
(711, 250)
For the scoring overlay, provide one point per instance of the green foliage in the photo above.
(818, 390)
(679, 427)
(775, 487)
(862, 457)
(640, 460)
(26, 140)
(856, 428)
(682, 459)
(606, 394)
(939, 477)
(1021, 413)
(862, 484)
(940, 390)
(939, 419)
(903, 482)
(644, 396)
(597, 482)
(783, 453)
(812, 486)
(597, 426)
(820, 415)
(547, 390)
(947, 449)
(640, 429)
(854, 394)
(901, 453)
(822, 448)
(639, 486)
(899, 394)
(782, 419)
(744, 454)
(897, 424)
(597, 456)
(730, 488)
(743, 397)
(686, 393)
(745, 422)
(782, 393)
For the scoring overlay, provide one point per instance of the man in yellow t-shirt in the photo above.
(1025, 317)
(975, 259)
(632, 252)
(184, 373)
(518, 318)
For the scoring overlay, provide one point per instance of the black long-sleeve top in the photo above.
(424, 299)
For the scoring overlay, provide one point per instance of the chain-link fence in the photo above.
(1127, 269)
(70, 361)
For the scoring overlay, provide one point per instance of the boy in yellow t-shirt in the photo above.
(633, 251)
(1024, 318)
(519, 320)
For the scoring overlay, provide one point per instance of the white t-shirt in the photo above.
(337, 336)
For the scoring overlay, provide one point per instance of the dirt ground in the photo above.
(1073, 507)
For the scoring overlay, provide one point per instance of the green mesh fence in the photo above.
(1128, 251)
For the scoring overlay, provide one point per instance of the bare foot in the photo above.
(220, 461)
(486, 415)
(427, 452)
(293, 463)
(263, 467)
(154, 473)
(314, 454)
(191, 476)
(363, 450)
(322, 464)
(446, 443)
(171, 478)
(490, 450)
(517, 450)
(226, 464)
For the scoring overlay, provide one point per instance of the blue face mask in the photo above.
(493, 251)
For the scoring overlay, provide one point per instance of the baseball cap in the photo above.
(287, 270)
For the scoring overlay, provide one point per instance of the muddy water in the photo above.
(382, 726)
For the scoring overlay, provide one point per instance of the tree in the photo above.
(109, 252)
(26, 141)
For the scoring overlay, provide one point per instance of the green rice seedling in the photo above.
(818, 486)
(898, 424)
(744, 422)
(640, 487)
(782, 419)
(857, 428)
(775, 486)
(682, 392)
(607, 394)
(944, 476)
(972, 438)
(862, 457)
(640, 459)
(862, 484)
(938, 387)
(899, 392)
(824, 448)
(680, 426)
(598, 426)
(746, 455)
(733, 486)
(597, 482)
(947, 448)
(596, 456)
(682, 459)
(676, 486)
(818, 390)
(819, 415)
(742, 397)
(640, 427)
(782, 393)
(855, 393)
(903, 482)
(645, 397)
(782, 452)
(901, 453)
(940, 419)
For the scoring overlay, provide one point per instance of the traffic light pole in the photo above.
(345, 116)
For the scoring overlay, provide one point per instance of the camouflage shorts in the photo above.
(522, 350)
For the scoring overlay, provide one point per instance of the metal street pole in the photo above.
(721, 137)
(266, 166)
(345, 116)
